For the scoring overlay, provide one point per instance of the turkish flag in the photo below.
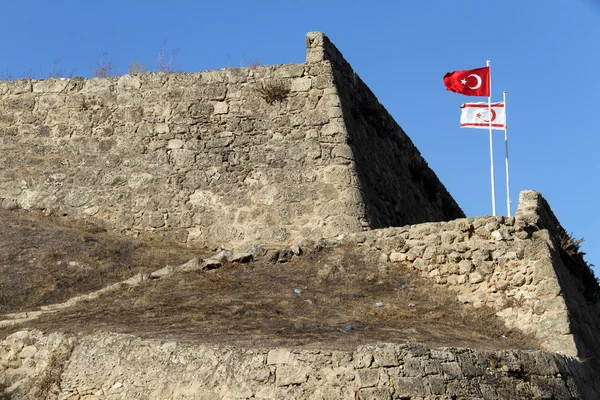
(470, 82)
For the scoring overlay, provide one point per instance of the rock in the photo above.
(194, 264)
(385, 357)
(367, 377)
(11, 205)
(279, 356)
(496, 235)
(285, 255)
(476, 277)
(162, 272)
(211, 263)
(257, 250)
(465, 267)
(272, 255)
(223, 255)
(297, 251)
(28, 352)
(241, 257)
(397, 257)
(383, 258)
(291, 375)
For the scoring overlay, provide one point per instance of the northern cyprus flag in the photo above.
(477, 115)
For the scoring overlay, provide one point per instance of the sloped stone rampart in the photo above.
(389, 168)
(112, 366)
(235, 156)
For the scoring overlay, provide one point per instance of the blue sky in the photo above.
(544, 53)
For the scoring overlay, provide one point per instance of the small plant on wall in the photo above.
(273, 91)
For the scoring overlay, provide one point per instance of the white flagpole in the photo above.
(506, 149)
(491, 148)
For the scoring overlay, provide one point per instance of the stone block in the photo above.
(374, 394)
(465, 267)
(435, 385)
(301, 84)
(175, 144)
(451, 370)
(547, 288)
(279, 356)
(476, 277)
(221, 107)
(397, 257)
(28, 352)
(286, 375)
(430, 252)
(183, 158)
(367, 378)
(363, 358)
(413, 367)
(408, 387)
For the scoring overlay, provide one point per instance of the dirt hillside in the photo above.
(326, 298)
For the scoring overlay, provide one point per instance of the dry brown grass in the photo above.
(49, 381)
(44, 262)
(247, 305)
(137, 67)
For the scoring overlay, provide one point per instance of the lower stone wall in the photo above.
(111, 366)
(511, 265)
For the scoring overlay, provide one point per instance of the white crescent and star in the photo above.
(477, 77)
(478, 81)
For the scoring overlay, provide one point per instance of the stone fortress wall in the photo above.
(516, 266)
(114, 366)
(245, 155)
(280, 154)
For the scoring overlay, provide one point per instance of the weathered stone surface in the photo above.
(291, 375)
(279, 356)
(213, 158)
(111, 367)
(256, 159)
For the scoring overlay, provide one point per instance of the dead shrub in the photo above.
(50, 379)
(569, 244)
(273, 91)
(137, 67)
(163, 63)
(56, 72)
(103, 69)
(255, 64)
(573, 257)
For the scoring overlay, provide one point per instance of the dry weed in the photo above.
(49, 381)
(103, 68)
(137, 67)
(273, 91)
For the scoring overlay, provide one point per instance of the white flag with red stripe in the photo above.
(477, 115)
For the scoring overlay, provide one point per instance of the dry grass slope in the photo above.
(247, 305)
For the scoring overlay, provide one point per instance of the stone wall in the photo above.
(579, 286)
(268, 154)
(111, 366)
(391, 172)
(511, 265)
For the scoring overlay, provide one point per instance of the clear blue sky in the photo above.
(544, 53)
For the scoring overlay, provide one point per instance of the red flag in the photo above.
(470, 82)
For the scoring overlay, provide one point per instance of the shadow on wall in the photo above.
(397, 185)
(579, 287)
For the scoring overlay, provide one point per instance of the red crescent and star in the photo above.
(478, 115)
